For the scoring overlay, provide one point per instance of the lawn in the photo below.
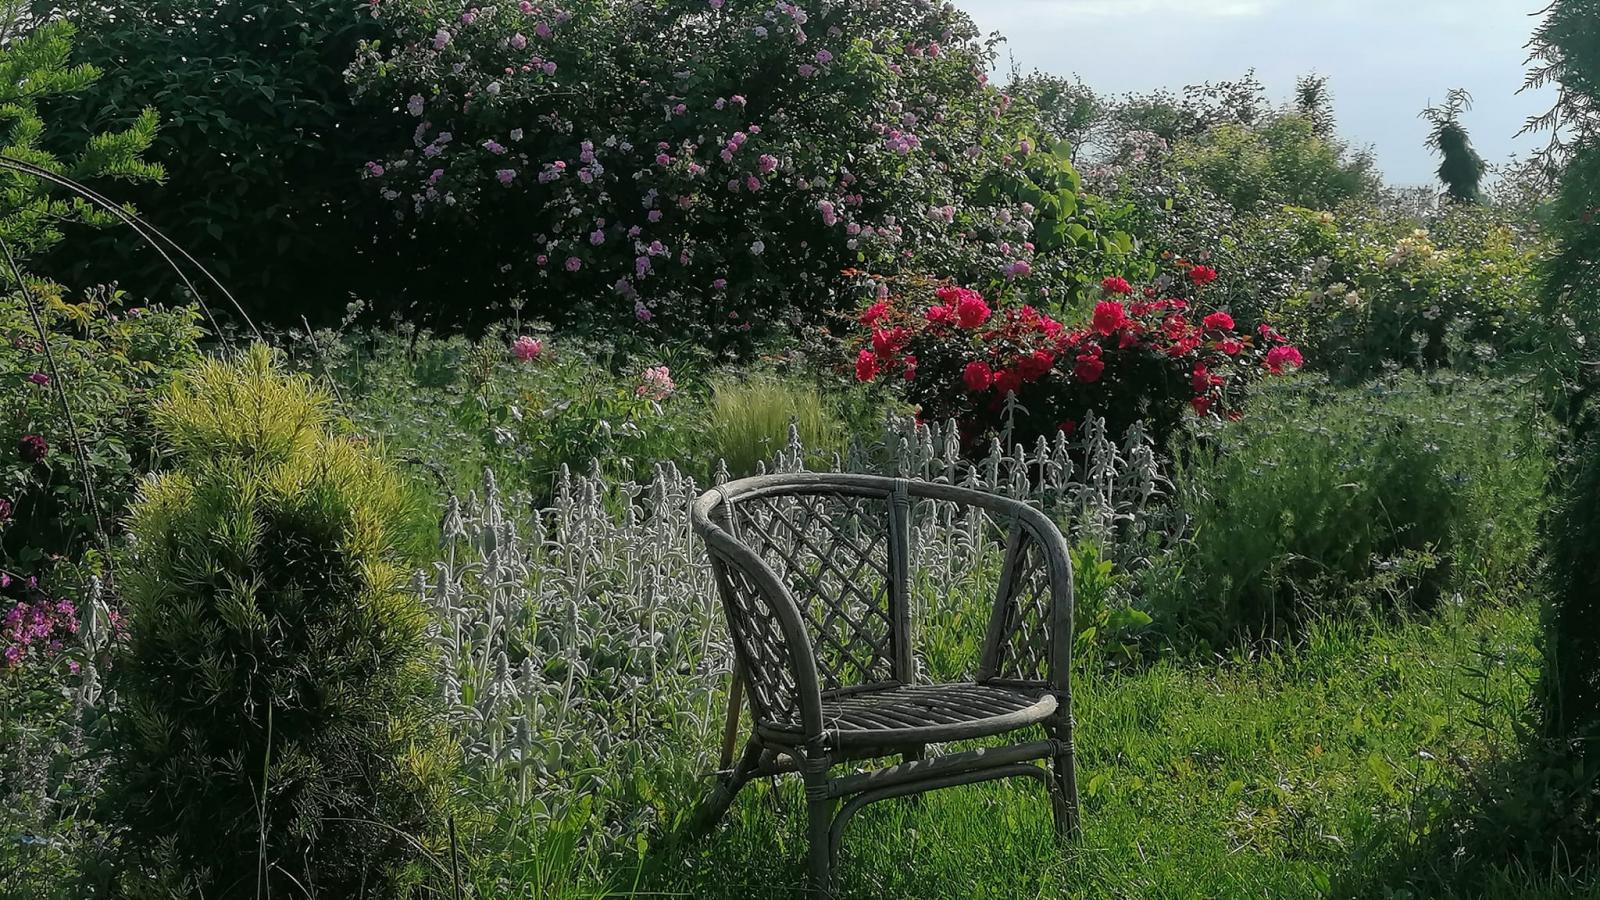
(1308, 771)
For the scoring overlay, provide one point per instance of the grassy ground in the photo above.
(1328, 770)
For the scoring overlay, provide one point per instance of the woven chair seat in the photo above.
(924, 714)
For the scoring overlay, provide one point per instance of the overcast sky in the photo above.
(1385, 59)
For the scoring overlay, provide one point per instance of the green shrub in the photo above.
(748, 422)
(276, 729)
(1365, 288)
(1325, 501)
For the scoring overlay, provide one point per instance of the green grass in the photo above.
(1332, 769)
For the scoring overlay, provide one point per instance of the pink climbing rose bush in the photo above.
(714, 166)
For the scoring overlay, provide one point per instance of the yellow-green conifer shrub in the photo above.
(279, 736)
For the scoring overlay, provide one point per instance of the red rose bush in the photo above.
(1142, 355)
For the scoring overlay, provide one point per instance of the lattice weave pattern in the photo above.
(832, 551)
(759, 636)
(1027, 605)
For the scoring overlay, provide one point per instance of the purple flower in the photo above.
(542, 31)
(5, 512)
(642, 312)
(597, 237)
(441, 39)
(39, 378)
(506, 176)
(824, 57)
(414, 105)
(518, 42)
(768, 163)
(33, 448)
(375, 170)
(549, 68)
(574, 264)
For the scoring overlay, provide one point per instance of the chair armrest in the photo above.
(1030, 633)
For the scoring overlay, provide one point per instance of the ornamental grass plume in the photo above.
(279, 732)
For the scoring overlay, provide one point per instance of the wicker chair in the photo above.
(815, 577)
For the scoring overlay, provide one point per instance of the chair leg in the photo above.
(820, 810)
(1064, 786)
(727, 787)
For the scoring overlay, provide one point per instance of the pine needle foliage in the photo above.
(35, 67)
(279, 735)
(1461, 169)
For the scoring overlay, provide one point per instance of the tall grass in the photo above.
(748, 420)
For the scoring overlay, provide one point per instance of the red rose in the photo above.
(977, 376)
(874, 313)
(972, 311)
(1034, 365)
(939, 315)
(1233, 346)
(1219, 321)
(1284, 358)
(1109, 316)
(888, 343)
(1089, 368)
(1115, 285)
(1202, 405)
(1203, 380)
(1007, 381)
(1202, 275)
(866, 365)
(911, 367)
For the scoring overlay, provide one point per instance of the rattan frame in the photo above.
(1026, 653)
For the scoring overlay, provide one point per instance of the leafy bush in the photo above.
(712, 167)
(277, 727)
(112, 360)
(1282, 160)
(1324, 502)
(259, 137)
(1368, 289)
(1022, 372)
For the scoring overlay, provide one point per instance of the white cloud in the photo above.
(1066, 10)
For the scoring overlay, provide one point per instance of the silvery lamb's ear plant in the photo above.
(278, 733)
(582, 650)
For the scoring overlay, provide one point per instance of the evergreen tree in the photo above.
(1461, 169)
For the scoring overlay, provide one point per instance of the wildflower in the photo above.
(977, 376)
(656, 384)
(527, 349)
(1218, 321)
(33, 448)
(1283, 358)
(1116, 285)
(866, 365)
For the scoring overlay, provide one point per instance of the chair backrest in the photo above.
(813, 572)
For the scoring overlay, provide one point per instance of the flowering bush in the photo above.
(1141, 355)
(706, 165)
(111, 357)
